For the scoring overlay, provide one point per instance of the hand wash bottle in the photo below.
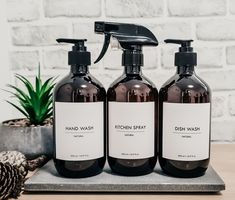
(79, 118)
(185, 118)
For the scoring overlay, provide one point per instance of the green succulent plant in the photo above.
(36, 103)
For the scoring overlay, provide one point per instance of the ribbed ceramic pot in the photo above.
(32, 141)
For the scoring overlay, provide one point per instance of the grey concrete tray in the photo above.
(47, 180)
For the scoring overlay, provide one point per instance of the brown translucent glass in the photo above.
(80, 86)
(184, 87)
(132, 86)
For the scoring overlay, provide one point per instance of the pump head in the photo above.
(79, 54)
(131, 37)
(185, 56)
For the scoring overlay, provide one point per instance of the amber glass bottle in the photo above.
(79, 118)
(184, 118)
(132, 103)
(133, 98)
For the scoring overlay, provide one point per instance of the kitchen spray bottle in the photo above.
(132, 102)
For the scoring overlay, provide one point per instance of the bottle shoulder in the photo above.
(79, 81)
(132, 88)
(181, 87)
(132, 82)
(184, 82)
(79, 86)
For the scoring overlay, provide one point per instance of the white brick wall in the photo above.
(133, 8)
(23, 10)
(191, 8)
(35, 24)
(72, 8)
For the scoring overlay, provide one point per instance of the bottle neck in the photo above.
(79, 69)
(132, 70)
(185, 70)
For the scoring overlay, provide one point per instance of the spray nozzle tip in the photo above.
(99, 27)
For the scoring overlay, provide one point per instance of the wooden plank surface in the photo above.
(222, 159)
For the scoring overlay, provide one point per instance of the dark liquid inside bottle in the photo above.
(183, 87)
(132, 86)
(80, 86)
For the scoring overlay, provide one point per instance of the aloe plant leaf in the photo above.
(23, 94)
(38, 85)
(36, 102)
(25, 81)
(18, 108)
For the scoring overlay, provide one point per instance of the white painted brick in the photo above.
(219, 80)
(23, 10)
(86, 31)
(191, 8)
(231, 104)
(72, 8)
(223, 130)
(38, 35)
(178, 30)
(230, 55)
(207, 57)
(28, 60)
(232, 6)
(168, 56)
(151, 57)
(56, 59)
(218, 106)
(133, 8)
(216, 29)
(113, 59)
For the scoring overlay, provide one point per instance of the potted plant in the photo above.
(31, 135)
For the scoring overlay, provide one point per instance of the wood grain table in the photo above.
(222, 160)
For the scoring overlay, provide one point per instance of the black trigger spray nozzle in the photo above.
(131, 38)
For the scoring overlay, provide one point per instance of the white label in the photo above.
(131, 130)
(186, 131)
(79, 130)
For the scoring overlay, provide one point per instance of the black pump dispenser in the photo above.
(131, 38)
(79, 54)
(185, 56)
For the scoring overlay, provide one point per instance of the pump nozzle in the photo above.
(129, 36)
(185, 56)
(79, 44)
(79, 54)
(185, 44)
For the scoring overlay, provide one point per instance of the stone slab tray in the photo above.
(47, 180)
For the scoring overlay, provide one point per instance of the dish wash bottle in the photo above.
(132, 103)
(185, 118)
(79, 118)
